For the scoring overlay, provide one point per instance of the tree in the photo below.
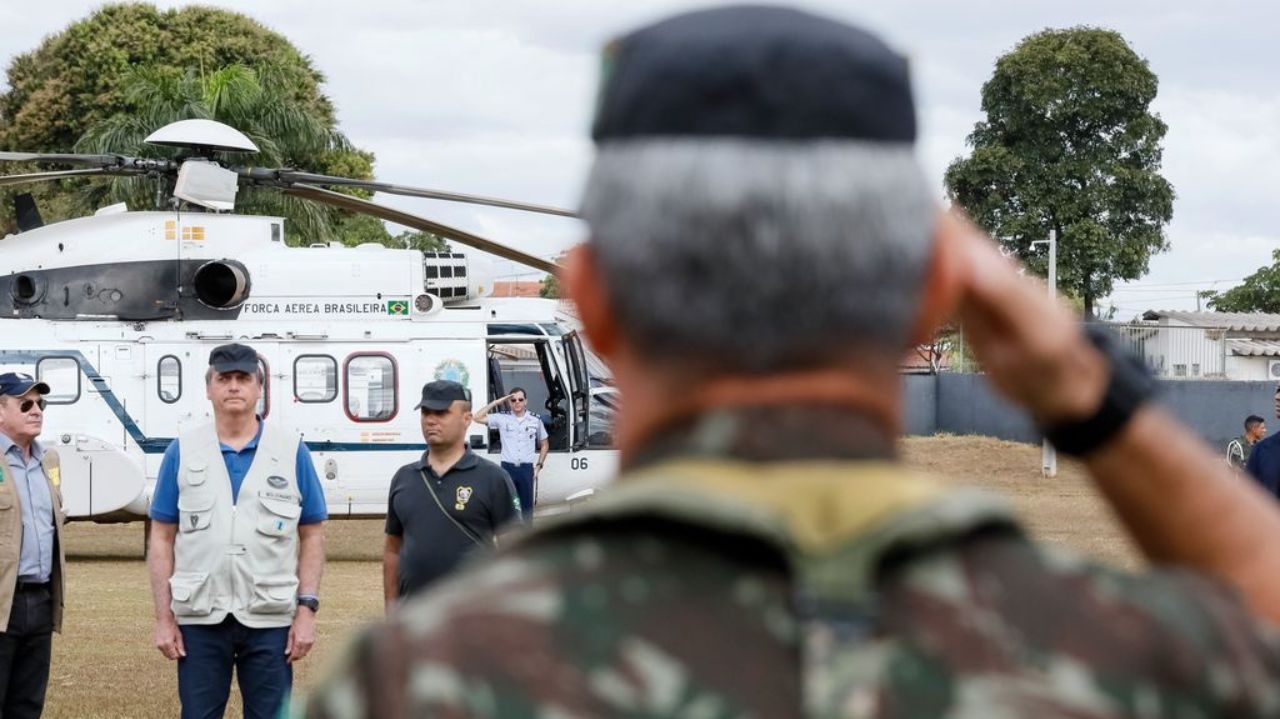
(77, 78)
(550, 288)
(258, 102)
(1070, 144)
(1259, 292)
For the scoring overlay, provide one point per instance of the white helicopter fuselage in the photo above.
(118, 313)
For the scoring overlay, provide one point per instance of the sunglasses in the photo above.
(517, 399)
(25, 405)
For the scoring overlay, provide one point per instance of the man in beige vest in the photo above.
(237, 548)
(31, 556)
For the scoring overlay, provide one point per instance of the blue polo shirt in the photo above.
(164, 505)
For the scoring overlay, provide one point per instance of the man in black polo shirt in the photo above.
(446, 505)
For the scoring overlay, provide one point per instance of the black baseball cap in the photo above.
(234, 358)
(16, 384)
(754, 71)
(441, 394)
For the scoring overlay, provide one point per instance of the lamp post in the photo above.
(1049, 455)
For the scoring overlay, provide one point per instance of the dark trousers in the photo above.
(262, 670)
(25, 647)
(522, 478)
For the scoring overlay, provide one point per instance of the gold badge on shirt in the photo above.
(462, 496)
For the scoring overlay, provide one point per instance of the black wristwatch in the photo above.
(310, 602)
(1131, 386)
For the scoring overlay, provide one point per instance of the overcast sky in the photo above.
(494, 97)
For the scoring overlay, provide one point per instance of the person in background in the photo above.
(32, 562)
(445, 506)
(524, 444)
(1239, 449)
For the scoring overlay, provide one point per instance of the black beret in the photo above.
(754, 71)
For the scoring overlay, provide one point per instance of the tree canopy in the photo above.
(1259, 292)
(1070, 144)
(105, 82)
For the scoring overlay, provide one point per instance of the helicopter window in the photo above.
(371, 387)
(315, 378)
(169, 379)
(63, 376)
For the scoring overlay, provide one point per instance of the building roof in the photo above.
(1242, 347)
(505, 288)
(1235, 321)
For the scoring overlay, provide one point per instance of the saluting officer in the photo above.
(524, 444)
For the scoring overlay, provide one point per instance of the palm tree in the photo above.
(255, 101)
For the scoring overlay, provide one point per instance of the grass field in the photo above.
(105, 665)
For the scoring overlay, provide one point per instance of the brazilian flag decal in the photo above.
(398, 307)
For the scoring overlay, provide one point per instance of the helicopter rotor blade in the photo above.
(55, 175)
(288, 177)
(355, 204)
(65, 159)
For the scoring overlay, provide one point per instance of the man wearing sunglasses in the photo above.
(524, 444)
(31, 555)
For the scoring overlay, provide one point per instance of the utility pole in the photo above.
(1049, 455)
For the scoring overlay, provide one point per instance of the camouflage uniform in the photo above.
(713, 587)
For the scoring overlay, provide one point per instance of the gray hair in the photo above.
(743, 256)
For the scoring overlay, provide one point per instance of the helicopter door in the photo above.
(579, 388)
(529, 364)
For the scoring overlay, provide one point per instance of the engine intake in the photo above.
(221, 284)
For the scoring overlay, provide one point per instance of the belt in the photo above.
(31, 586)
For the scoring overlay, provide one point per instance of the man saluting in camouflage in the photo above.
(763, 249)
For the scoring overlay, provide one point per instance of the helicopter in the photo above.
(117, 312)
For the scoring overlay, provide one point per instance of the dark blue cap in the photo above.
(754, 71)
(234, 358)
(441, 394)
(16, 384)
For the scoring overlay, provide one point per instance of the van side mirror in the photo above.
(477, 441)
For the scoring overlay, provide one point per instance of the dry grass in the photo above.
(104, 664)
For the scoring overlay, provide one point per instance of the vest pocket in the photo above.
(277, 518)
(9, 514)
(195, 511)
(274, 595)
(191, 594)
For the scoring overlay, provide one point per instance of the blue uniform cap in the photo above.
(441, 394)
(234, 358)
(16, 384)
(756, 72)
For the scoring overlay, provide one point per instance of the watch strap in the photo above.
(1129, 387)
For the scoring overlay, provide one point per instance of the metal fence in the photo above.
(1171, 352)
(1177, 352)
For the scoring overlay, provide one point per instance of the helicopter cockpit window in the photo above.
(315, 378)
(371, 387)
(63, 377)
(169, 379)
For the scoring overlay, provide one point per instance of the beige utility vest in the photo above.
(237, 557)
(11, 538)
